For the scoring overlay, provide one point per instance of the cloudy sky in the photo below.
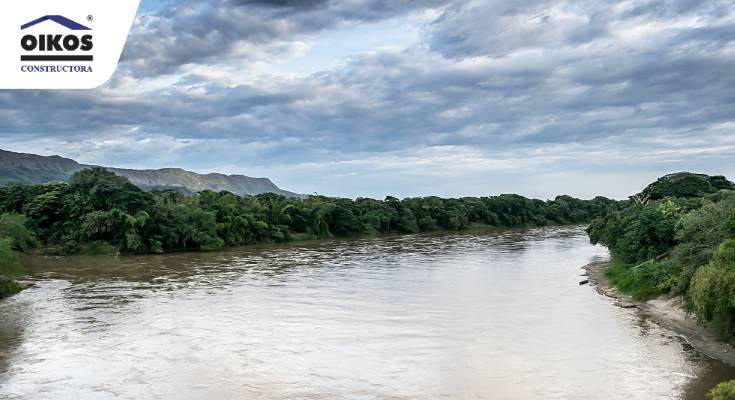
(407, 97)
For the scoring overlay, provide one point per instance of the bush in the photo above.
(637, 233)
(8, 287)
(11, 262)
(712, 291)
(723, 391)
(699, 233)
(645, 282)
(13, 227)
(10, 265)
(96, 205)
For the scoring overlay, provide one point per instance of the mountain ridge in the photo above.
(27, 168)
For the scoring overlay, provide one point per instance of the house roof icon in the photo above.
(61, 20)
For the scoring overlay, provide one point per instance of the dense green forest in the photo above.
(98, 211)
(676, 236)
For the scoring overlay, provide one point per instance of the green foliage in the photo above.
(676, 236)
(180, 222)
(13, 227)
(11, 263)
(99, 207)
(684, 184)
(8, 287)
(13, 236)
(723, 391)
(646, 281)
(700, 232)
(100, 189)
(719, 182)
(712, 290)
(638, 232)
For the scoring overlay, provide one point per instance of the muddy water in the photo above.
(496, 315)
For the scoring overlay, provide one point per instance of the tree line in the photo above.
(676, 236)
(97, 208)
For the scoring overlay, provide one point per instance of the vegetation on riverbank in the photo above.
(14, 238)
(676, 236)
(723, 391)
(98, 211)
(98, 206)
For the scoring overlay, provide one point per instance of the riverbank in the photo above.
(9, 287)
(667, 312)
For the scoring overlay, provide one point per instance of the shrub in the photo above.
(700, 232)
(11, 263)
(8, 287)
(637, 233)
(13, 227)
(646, 281)
(712, 291)
(723, 391)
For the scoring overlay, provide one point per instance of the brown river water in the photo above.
(491, 315)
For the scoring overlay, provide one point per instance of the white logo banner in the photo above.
(70, 44)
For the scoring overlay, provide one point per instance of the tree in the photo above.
(723, 391)
(636, 233)
(712, 289)
(97, 205)
(13, 229)
(101, 189)
(683, 184)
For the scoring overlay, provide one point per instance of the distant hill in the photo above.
(34, 169)
(683, 184)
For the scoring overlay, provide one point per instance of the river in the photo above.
(488, 315)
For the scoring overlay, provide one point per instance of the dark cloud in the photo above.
(658, 9)
(498, 28)
(297, 4)
(195, 32)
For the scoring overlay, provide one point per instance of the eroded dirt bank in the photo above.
(667, 312)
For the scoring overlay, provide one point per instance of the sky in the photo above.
(368, 98)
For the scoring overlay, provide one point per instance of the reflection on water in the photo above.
(488, 316)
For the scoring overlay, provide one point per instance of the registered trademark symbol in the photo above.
(89, 18)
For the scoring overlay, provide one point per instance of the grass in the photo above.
(646, 281)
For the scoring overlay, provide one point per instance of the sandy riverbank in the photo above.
(667, 312)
